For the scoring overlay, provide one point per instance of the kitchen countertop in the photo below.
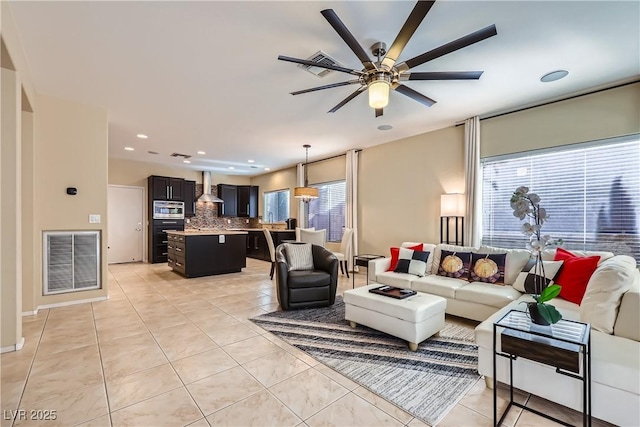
(216, 232)
(257, 229)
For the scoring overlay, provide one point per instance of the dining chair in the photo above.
(298, 232)
(272, 251)
(317, 237)
(345, 251)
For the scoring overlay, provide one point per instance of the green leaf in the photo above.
(549, 293)
(549, 313)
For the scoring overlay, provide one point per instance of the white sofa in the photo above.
(611, 305)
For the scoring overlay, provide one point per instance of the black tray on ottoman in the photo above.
(390, 291)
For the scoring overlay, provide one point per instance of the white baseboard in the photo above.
(15, 347)
(80, 301)
(30, 313)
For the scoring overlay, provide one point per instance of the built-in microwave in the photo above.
(164, 209)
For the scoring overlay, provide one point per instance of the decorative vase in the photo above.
(534, 314)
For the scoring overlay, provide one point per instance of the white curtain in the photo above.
(302, 218)
(351, 208)
(473, 181)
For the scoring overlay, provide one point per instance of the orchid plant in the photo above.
(526, 205)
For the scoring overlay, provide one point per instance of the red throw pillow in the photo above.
(395, 254)
(574, 274)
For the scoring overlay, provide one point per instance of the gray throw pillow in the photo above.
(299, 256)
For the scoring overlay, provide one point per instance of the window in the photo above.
(591, 192)
(327, 211)
(276, 206)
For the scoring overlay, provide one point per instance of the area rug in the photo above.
(426, 383)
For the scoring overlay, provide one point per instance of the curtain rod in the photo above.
(332, 157)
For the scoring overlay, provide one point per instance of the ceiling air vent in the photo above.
(320, 58)
(184, 156)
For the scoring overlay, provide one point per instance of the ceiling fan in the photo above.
(379, 76)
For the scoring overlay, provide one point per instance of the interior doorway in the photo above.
(125, 208)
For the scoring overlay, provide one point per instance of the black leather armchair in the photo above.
(307, 288)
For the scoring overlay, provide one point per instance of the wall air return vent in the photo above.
(71, 261)
(320, 58)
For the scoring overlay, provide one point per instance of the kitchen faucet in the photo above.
(270, 217)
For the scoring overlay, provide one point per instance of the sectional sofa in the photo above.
(611, 305)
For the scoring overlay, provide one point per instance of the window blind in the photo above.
(276, 206)
(328, 210)
(590, 191)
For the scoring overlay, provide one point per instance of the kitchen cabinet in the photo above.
(257, 247)
(248, 201)
(197, 254)
(166, 188)
(228, 193)
(189, 192)
(158, 238)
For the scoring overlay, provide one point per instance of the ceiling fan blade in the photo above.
(412, 23)
(416, 96)
(443, 75)
(379, 112)
(348, 38)
(465, 41)
(313, 89)
(347, 99)
(315, 64)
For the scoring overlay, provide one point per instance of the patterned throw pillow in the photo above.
(526, 281)
(455, 264)
(395, 254)
(412, 262)
(299, 256)
(488, 268)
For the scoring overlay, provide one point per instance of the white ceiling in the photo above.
(204, 75)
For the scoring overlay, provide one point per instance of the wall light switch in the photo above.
(187, 220)
(247, 221)
(221, 238)
(229, 221)
(94, 219)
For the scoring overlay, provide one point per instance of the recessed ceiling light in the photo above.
(385, 127)
(553, 76)
(251, 161)
(142, 136)
(129, 148)
(201, 152)
(267, 169)
(186, 161)
(231, 167)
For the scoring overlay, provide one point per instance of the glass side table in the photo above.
(565, 345)
(363, 261)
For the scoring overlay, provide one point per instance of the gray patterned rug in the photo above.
(426, 383)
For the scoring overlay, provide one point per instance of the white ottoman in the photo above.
(414, 319)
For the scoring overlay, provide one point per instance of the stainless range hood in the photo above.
(206, 189)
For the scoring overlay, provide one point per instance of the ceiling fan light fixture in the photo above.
(378, 94)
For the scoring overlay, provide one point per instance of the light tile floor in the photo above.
(169, 351)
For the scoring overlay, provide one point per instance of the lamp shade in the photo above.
(452, 205)
(305, 193)
(378, 94)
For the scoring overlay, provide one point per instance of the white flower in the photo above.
(522, 190)
(535, 245)
(542, 214)
(535, 199)
(528, 229)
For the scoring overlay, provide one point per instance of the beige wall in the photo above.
(328, 170)
(71, 142)
(605, 114)
(28, 209)
(14, 48)
(278, 180)
(10, 212)
(400, 184)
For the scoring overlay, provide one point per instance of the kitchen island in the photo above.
(205, 253)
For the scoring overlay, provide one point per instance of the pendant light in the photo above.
(306, 193)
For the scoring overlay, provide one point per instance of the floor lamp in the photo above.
(452, 211)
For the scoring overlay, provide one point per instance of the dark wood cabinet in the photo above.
(257, 247)
(248, 201)
(228, 193)
(200, 255)
(158, 239)
(189, 193)
(166, 188)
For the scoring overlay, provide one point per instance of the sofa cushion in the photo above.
(437, 252)
(627, 321)
(574, 274)
(614, 362)
(299, 256)
(525, 281)
(487, 294)
(398, 280)
(516, 260)
(549, 254)
(308, 279)
(609, 282)
(438, 285)
(395, 255)
(454, 264)
(412, 262)
(488, 268)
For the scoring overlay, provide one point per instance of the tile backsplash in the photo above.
(207, 215)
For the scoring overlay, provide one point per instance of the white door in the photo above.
(125, 215)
